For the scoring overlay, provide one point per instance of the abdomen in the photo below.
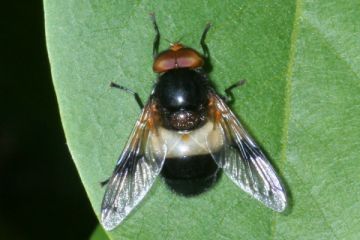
(189, 168)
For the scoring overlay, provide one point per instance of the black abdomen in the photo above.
(190, 175)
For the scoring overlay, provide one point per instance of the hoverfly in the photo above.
(183, 119)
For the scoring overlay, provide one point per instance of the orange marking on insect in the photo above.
(212, 109)
(176, 46)
(185, 137)
(150, 124)
(217, 116)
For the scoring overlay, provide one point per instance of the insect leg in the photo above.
(229, 98)
(202, 41)
(135, 94)
(157, 36)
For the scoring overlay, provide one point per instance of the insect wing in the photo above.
(243, 161)
(135, 172)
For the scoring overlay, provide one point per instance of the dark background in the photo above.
(41, 196)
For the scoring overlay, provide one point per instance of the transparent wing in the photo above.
(135, 172)
(243, 161)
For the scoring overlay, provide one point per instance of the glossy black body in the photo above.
(182, 98)
(192, 175)
(181, 88)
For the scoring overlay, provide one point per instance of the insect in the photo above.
(185, 120)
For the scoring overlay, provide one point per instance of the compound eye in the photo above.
(189, 58)
(165, 62)
(181, 58)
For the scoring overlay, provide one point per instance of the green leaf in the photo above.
(99, 234)
(301, 102)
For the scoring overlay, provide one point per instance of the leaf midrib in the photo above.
(287, 96)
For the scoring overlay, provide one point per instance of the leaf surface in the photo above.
(301, 102)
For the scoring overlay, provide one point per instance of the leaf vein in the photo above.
(287, 110)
